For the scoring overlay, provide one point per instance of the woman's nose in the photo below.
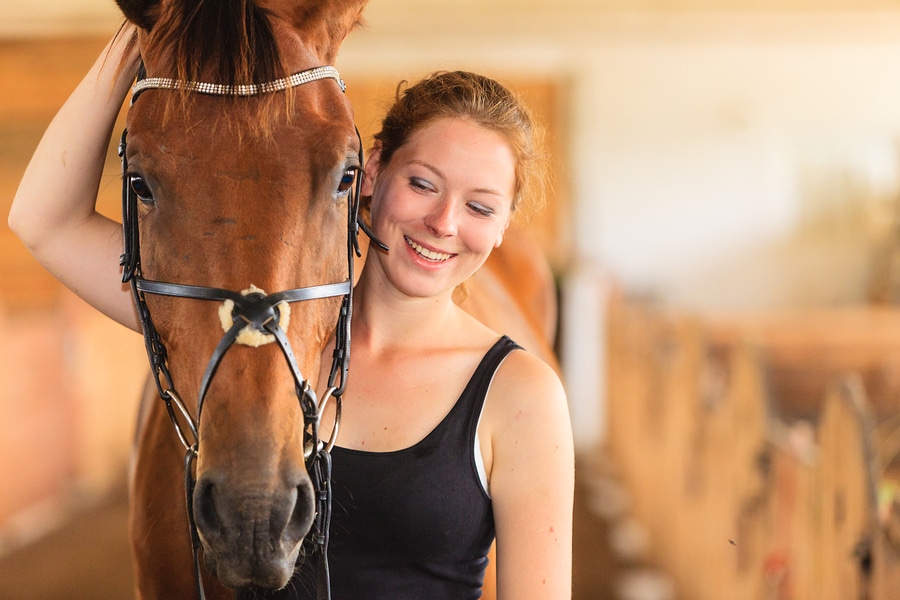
(442, 219)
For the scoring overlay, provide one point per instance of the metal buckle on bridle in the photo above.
(314, 444)
(316, 453)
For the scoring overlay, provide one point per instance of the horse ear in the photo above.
(142, 13)
(331, 21)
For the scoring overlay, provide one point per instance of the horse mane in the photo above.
(229, 42)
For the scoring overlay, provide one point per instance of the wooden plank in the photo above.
(806, 352)
(38, 458)
(847, 481)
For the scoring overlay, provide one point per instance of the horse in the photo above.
(240, 198)
(239, 158)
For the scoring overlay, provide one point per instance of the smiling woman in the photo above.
(451, 434)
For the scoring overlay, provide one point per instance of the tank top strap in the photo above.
(489, 364)
(476, 390)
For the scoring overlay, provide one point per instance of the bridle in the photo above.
(256, 310)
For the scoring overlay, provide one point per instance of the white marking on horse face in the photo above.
(249, 336)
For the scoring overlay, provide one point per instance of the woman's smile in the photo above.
(429, 255)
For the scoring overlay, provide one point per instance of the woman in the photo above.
(450, 433)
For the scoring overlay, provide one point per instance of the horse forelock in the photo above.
(230, 41)
(235, 42)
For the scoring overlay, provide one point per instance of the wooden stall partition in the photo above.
(847, 476)
(66, 408)
(673, 414)
(817, 511)
(806, 351)
(739, 503)
(633, 391)
(886, 550)
(723, 472)
(72, 381)
(108, 369)
(644, 359)
(781, 565)
(37, 409)
(687, 426)
(886, 542)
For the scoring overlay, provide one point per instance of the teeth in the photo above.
(426, 253)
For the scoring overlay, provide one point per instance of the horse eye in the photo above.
(140, 189)
(346, 182)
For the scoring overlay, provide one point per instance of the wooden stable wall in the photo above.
(71, 384)
(750, 488)
(71, 377)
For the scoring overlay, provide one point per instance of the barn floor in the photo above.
(89, 556)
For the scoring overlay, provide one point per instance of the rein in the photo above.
(255, 310)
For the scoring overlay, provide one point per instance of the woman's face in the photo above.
(441, 204)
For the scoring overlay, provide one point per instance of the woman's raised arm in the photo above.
(54, 213)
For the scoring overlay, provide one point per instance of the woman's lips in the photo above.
(429, 255)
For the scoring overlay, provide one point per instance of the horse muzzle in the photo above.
(252, 535)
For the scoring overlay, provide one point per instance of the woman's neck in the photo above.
(387, 320)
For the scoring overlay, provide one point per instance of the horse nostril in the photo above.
(303, 513)
(206, 516)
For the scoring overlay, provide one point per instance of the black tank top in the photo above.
(413, 524)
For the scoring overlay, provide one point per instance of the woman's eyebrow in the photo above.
(440, 174)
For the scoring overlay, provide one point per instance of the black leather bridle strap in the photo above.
(322, 475)
(248, 313)
(327, 290)
(196, 292)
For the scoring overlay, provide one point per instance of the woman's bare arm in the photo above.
(531, 480)
(54, 213)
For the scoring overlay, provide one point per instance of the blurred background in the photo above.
(725, 231)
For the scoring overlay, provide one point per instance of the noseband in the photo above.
(256, 310)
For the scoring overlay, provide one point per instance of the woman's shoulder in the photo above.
(521, 379)
(526, 417)
(525, 385)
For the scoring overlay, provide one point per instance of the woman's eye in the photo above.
(420, 185)
(481, 209)
(140, 189)
(346, 183)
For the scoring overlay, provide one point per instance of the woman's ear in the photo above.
(370, 172)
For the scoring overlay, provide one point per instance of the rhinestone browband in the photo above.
(255, 89)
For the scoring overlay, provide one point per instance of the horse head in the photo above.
(239, 189)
